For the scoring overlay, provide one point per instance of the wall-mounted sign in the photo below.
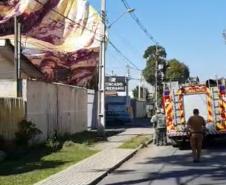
(115, 83)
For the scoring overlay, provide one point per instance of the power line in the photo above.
(127, 43)
(118, 64)
(139, 23)
(123, 56)
(118, 59)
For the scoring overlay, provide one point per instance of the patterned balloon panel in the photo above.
(60, 37)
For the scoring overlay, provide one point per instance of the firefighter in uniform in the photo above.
(153, 121)
(196, 127)
(159, 123)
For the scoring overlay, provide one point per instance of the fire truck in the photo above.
(179, 104)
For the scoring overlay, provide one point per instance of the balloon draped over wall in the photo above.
(60, 37)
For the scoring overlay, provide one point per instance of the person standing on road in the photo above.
(153, 121)
(159, 122)
(196, 127)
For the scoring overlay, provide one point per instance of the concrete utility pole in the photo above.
(101, 85)
(139, 91)
(156, 76)
(127, 86)
(140, 87)
(17, 51)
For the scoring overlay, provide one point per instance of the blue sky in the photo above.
(190, 31)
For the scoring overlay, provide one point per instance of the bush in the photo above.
(52, 143)
(27, 131)
(2, 142)
(2, 156)
(68, 144)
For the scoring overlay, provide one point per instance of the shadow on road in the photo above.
(179, 167)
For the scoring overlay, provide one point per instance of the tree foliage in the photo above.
(135, 92)
(151, 55)
(173, 70)
(150, 52)
(143, 91)
(176, 71)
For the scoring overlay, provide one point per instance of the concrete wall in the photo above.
(50, 106)
(91, 109)
(8, 88)
(56, 107)
(72, 109)
(42, 106)
(12, 111)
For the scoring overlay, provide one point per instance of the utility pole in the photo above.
(17, 50)
(101, 85)
(143, 88)
(139, 91)
(127, 86)
(140, 87)
(156, 76)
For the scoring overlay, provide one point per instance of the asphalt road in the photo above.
(166, 165)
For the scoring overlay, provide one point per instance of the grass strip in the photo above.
(136, 141)
(35, 164)
(39, 164)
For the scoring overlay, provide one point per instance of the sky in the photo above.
(190, 31)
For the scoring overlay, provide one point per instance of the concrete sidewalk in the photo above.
(92, 169)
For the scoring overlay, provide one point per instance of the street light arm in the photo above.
(116, 20)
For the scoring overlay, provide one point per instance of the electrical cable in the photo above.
(139, 23)
(126, 59)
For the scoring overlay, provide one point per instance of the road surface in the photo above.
(166, 165)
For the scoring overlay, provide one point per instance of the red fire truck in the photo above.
(179, 105)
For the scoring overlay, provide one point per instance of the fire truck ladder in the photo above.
(176, 109)
(216, 105)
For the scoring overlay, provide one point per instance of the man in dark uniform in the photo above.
(196, 126)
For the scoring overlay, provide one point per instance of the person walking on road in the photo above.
(159, 123)
(196, 127)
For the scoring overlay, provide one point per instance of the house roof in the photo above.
(25, 65)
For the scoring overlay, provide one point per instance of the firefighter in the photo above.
(153, 122)
(159, 123)
(196, 127)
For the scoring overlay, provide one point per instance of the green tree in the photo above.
(135, 92)
(151, 55)
(176, 71)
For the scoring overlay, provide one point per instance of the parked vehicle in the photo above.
(116, 111)
(116, 114)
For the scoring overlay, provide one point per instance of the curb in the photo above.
(121, 162)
